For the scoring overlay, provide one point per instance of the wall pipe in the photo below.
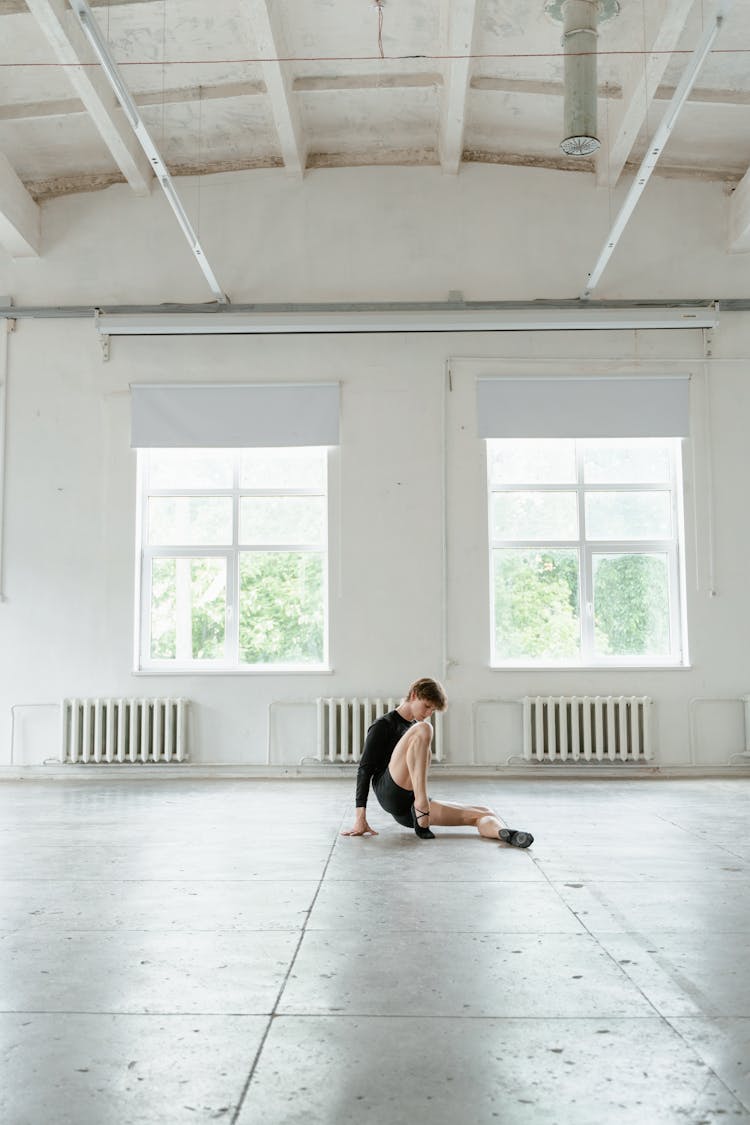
(447, 388)
(708, 453)
(4, 367)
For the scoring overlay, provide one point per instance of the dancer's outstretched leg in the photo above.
(484, 819)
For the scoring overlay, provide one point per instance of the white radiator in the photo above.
(343, 724)
(569, 728)
(123, 730)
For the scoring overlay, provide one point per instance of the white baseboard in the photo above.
(139, 771)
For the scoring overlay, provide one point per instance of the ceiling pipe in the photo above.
(579, 41)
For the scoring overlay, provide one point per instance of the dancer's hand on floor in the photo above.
(361, 828)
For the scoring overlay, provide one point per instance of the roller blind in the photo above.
(234, 416)
(560, 406)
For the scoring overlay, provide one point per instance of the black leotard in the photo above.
(380, 743)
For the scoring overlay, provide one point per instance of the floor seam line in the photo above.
(691, 1047)
(607, 953)
(272, 1016)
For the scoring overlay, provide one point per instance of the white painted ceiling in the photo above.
(236, 84)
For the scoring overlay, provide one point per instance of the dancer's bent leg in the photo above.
(409, 764)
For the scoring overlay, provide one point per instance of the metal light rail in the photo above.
(654, 151)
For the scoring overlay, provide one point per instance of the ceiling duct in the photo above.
(580, 21)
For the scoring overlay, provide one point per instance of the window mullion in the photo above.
(198, 493)
(196, 551)
(280, 492)
(676, 644)
(587, 603)
(183, 613)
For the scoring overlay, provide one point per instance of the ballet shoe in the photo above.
(423, 833)
(515, 838)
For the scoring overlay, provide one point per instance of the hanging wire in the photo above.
(379, 6)
(237, 60)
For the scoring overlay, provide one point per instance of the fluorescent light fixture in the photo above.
(91, 31)
(655, 148)
(302, 320)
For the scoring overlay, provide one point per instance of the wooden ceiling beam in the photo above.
(19, 215)
(69, 44)
(68, 107)
(739, 216)
(315, 84)
(269, 37)
(459, 39)
(17, 7)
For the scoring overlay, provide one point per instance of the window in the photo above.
(585, 551)
(233, 559)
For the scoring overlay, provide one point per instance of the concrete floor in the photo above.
(180, 951)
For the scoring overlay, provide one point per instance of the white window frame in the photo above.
(143, 662)
(673, 548)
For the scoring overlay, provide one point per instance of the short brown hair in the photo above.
(430, 691)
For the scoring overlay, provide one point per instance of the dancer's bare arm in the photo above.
(367, 764)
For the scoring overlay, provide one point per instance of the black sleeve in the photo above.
(375, 755)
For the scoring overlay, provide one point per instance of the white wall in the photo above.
(364, 234)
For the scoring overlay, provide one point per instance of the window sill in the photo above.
(318, 670)
(591, 667)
